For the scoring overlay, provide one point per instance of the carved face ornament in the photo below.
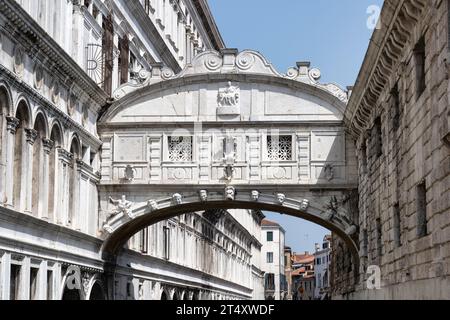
(281, 198)
(230, 193)
(203, 195)
(255, 195)
(177, 198)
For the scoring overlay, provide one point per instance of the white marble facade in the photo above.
(113, 113)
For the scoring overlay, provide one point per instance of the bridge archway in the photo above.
(331, 215)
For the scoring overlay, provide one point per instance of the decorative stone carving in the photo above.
(65, 155)
(304, 205)
(152, 205)
(203, 194)
(229, 157)
(329, 172)
(255, 195)
(31, 135)
(331, 209)
(48, 145)
(230, 193)
(19, 57)
(129, 173)
(122, 206)
(86, 280)
(38, 76)
(281, 198)
(12, 124)
(228, 97)
(177, 199)
(245, 60)
(351, 230)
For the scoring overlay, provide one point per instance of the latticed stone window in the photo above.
(279, 148)
(180, 149)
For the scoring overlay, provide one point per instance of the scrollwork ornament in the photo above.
(167, 73)
(315, 74)
(292, 73)
(213, 63)
(245, 61)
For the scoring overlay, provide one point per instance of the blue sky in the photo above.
(332, 34)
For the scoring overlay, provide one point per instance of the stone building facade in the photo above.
(399, 116)
(60, 62)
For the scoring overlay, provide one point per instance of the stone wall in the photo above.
(404, 157)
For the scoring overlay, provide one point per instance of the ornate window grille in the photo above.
(279, 148)
(180, 149)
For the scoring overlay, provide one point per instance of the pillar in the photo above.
(5, 276)
(12, 124)
(27, 165)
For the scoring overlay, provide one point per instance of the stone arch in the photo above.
(96, 290)
(23, 116)
(56, 139)
(121, 228)
(24, 103)
(6, 99)
(164, 294)
(70, 294)
(39, 167)
(175, 295)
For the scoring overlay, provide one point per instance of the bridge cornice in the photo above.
(212, 67)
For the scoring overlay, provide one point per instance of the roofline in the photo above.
(209, 23)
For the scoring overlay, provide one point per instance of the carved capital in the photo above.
(12, 124)
(31, 135)
(65, 155)
(48, 145)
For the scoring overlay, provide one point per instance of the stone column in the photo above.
(48, 146)
(27, 165)
(41, 288)
(12, 125)
(5, 276)
(24, 283)
(65, 159)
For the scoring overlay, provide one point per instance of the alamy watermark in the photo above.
(373, 282)
(373, 20)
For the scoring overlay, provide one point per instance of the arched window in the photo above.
(19, 156)
(37, 182)
(53, 172)
(73, 181)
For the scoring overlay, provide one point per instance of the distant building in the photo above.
(272, 251)
(303, 276)
(322, 268)
(288, 272)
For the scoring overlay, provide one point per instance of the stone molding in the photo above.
(384, 54)
(230, 61)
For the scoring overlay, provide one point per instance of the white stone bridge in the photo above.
(228, 132)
